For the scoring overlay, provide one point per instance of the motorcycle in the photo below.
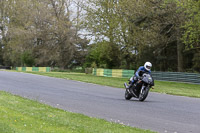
(141, 88)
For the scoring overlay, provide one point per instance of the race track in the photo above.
(159, 112)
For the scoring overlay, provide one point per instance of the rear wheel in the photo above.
(127, 95)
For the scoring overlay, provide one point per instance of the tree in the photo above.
(191, 27)
(102, 21)
(191, 32)
(42, 27)
(4, 13)
(141, 30)
(27, 59)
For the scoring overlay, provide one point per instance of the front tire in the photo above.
(143, 94)
(127, 95)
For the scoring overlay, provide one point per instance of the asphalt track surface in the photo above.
(159, 112)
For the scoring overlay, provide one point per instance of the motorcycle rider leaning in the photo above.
(142, 69)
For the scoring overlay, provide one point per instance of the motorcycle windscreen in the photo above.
(147, 79)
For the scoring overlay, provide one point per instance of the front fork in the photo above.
(143, 87)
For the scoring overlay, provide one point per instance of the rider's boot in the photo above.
(128, 86)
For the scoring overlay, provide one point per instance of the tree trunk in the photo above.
(180, 48)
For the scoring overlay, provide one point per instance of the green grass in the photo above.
(20, 115)
(173, 88)
(180, 89)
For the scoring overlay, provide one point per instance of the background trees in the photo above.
(41, 29)
(148, 30)
(126, 33)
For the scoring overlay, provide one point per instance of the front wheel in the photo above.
(127, 95)
(144, 93)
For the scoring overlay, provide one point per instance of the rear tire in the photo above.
(127, 95)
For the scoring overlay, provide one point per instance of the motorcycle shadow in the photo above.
(136, 100)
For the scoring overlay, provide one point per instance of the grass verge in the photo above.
(20, 115)
(173, 88)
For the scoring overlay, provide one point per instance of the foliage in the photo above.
(126, 33)
(142, 31)
(27, 59)
(191, 34)
(192, 27)
(104, 55)
(196, 62)
(42, 27)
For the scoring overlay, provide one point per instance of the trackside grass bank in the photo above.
(20, 115)
(173, 88)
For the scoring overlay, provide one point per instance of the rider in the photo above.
(146, 68)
